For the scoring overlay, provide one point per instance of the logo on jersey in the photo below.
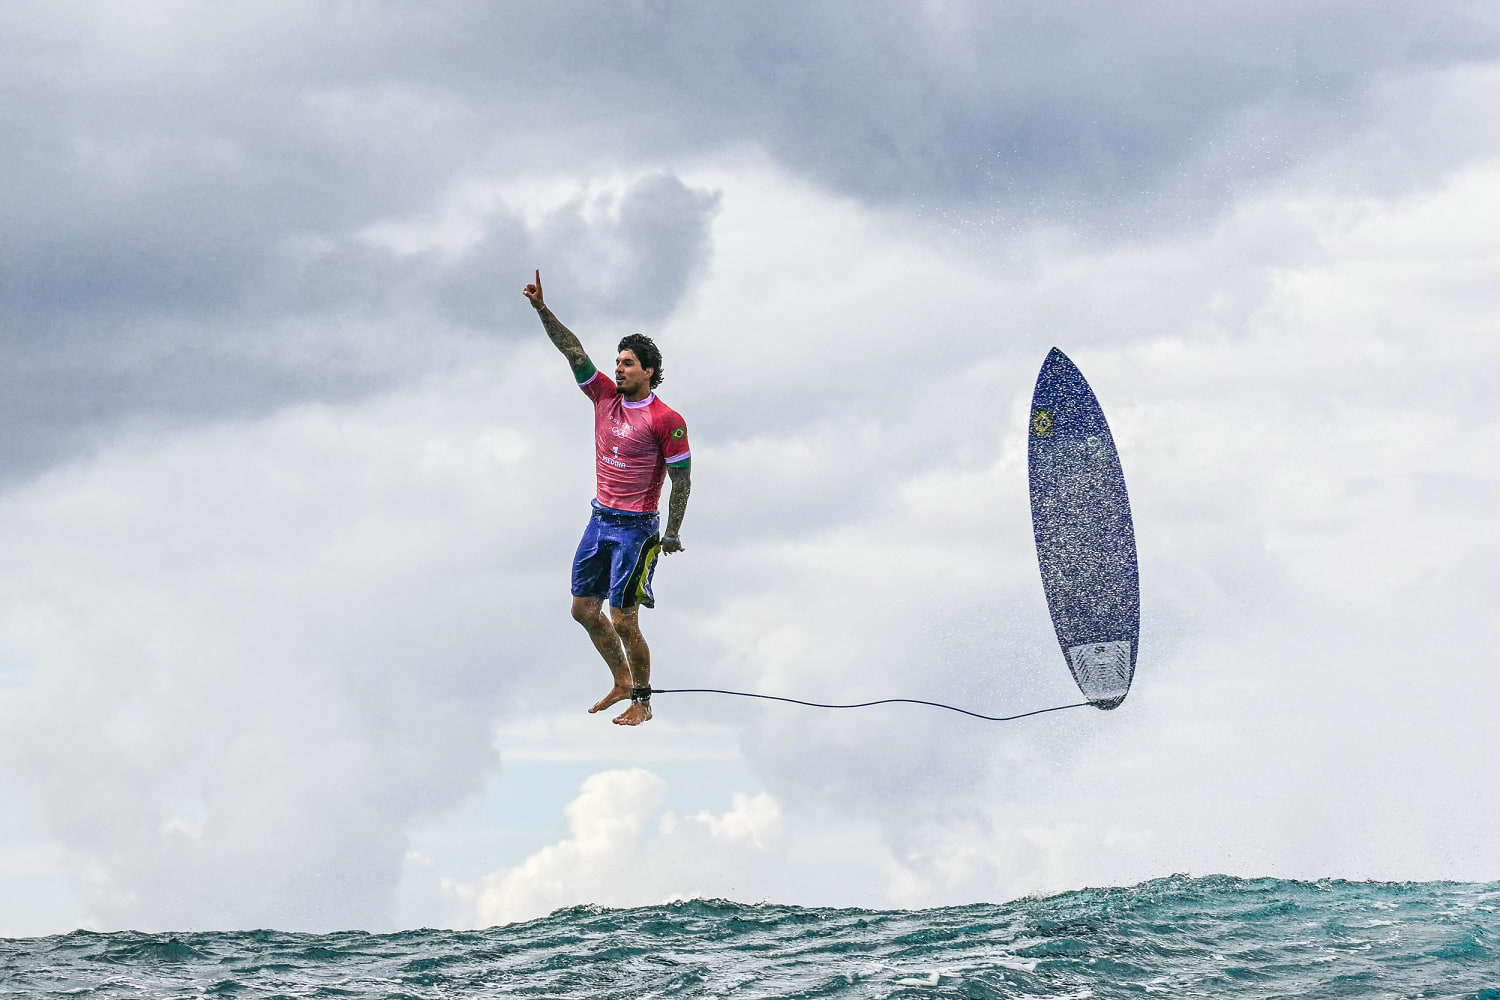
(620, 429)
(679, 433)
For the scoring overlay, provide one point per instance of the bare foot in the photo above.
(618, 693)
(636, 714)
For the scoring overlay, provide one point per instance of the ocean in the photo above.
(1171, 937)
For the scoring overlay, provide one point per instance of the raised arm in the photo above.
(562, 338)
(682, 485)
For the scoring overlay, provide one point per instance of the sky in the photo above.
(291, 479)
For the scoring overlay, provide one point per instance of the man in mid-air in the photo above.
(638, 441)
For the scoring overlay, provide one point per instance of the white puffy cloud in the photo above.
(623, 851)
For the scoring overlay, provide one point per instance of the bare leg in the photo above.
(589, 612)
(627, 627)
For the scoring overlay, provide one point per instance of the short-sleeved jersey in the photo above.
(634, 443)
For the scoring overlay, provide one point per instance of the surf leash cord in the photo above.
(867, 704)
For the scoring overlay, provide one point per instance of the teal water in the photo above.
(1173, 937)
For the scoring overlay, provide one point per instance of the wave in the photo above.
(1210, 936)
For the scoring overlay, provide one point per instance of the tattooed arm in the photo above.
(682, 485)
(562, 338)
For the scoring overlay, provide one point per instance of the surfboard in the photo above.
(1085, 538)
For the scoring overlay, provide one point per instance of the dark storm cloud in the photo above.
(180, 231)
(132, 333)
(632, 266)
(186, 183)
(134, 338)
(1053, 110)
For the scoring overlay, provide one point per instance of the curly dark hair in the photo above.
(647, 353)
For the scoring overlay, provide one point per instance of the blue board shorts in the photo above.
(617, 556)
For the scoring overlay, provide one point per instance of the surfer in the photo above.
(638, 441)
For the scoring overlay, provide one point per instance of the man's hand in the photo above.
(534, 293)
(682, 485)
(562, 338)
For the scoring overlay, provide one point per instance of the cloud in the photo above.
(1309, 504)
(263, 650)
(1065, 112)
(334, 316)
(185, 214)
(308, 552)
(615, 856)
(626, 257)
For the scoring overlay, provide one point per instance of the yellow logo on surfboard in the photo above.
(1041, 423)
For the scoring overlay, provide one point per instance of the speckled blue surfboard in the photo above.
(1085, 539)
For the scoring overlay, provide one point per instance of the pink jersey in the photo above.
(634, 443)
